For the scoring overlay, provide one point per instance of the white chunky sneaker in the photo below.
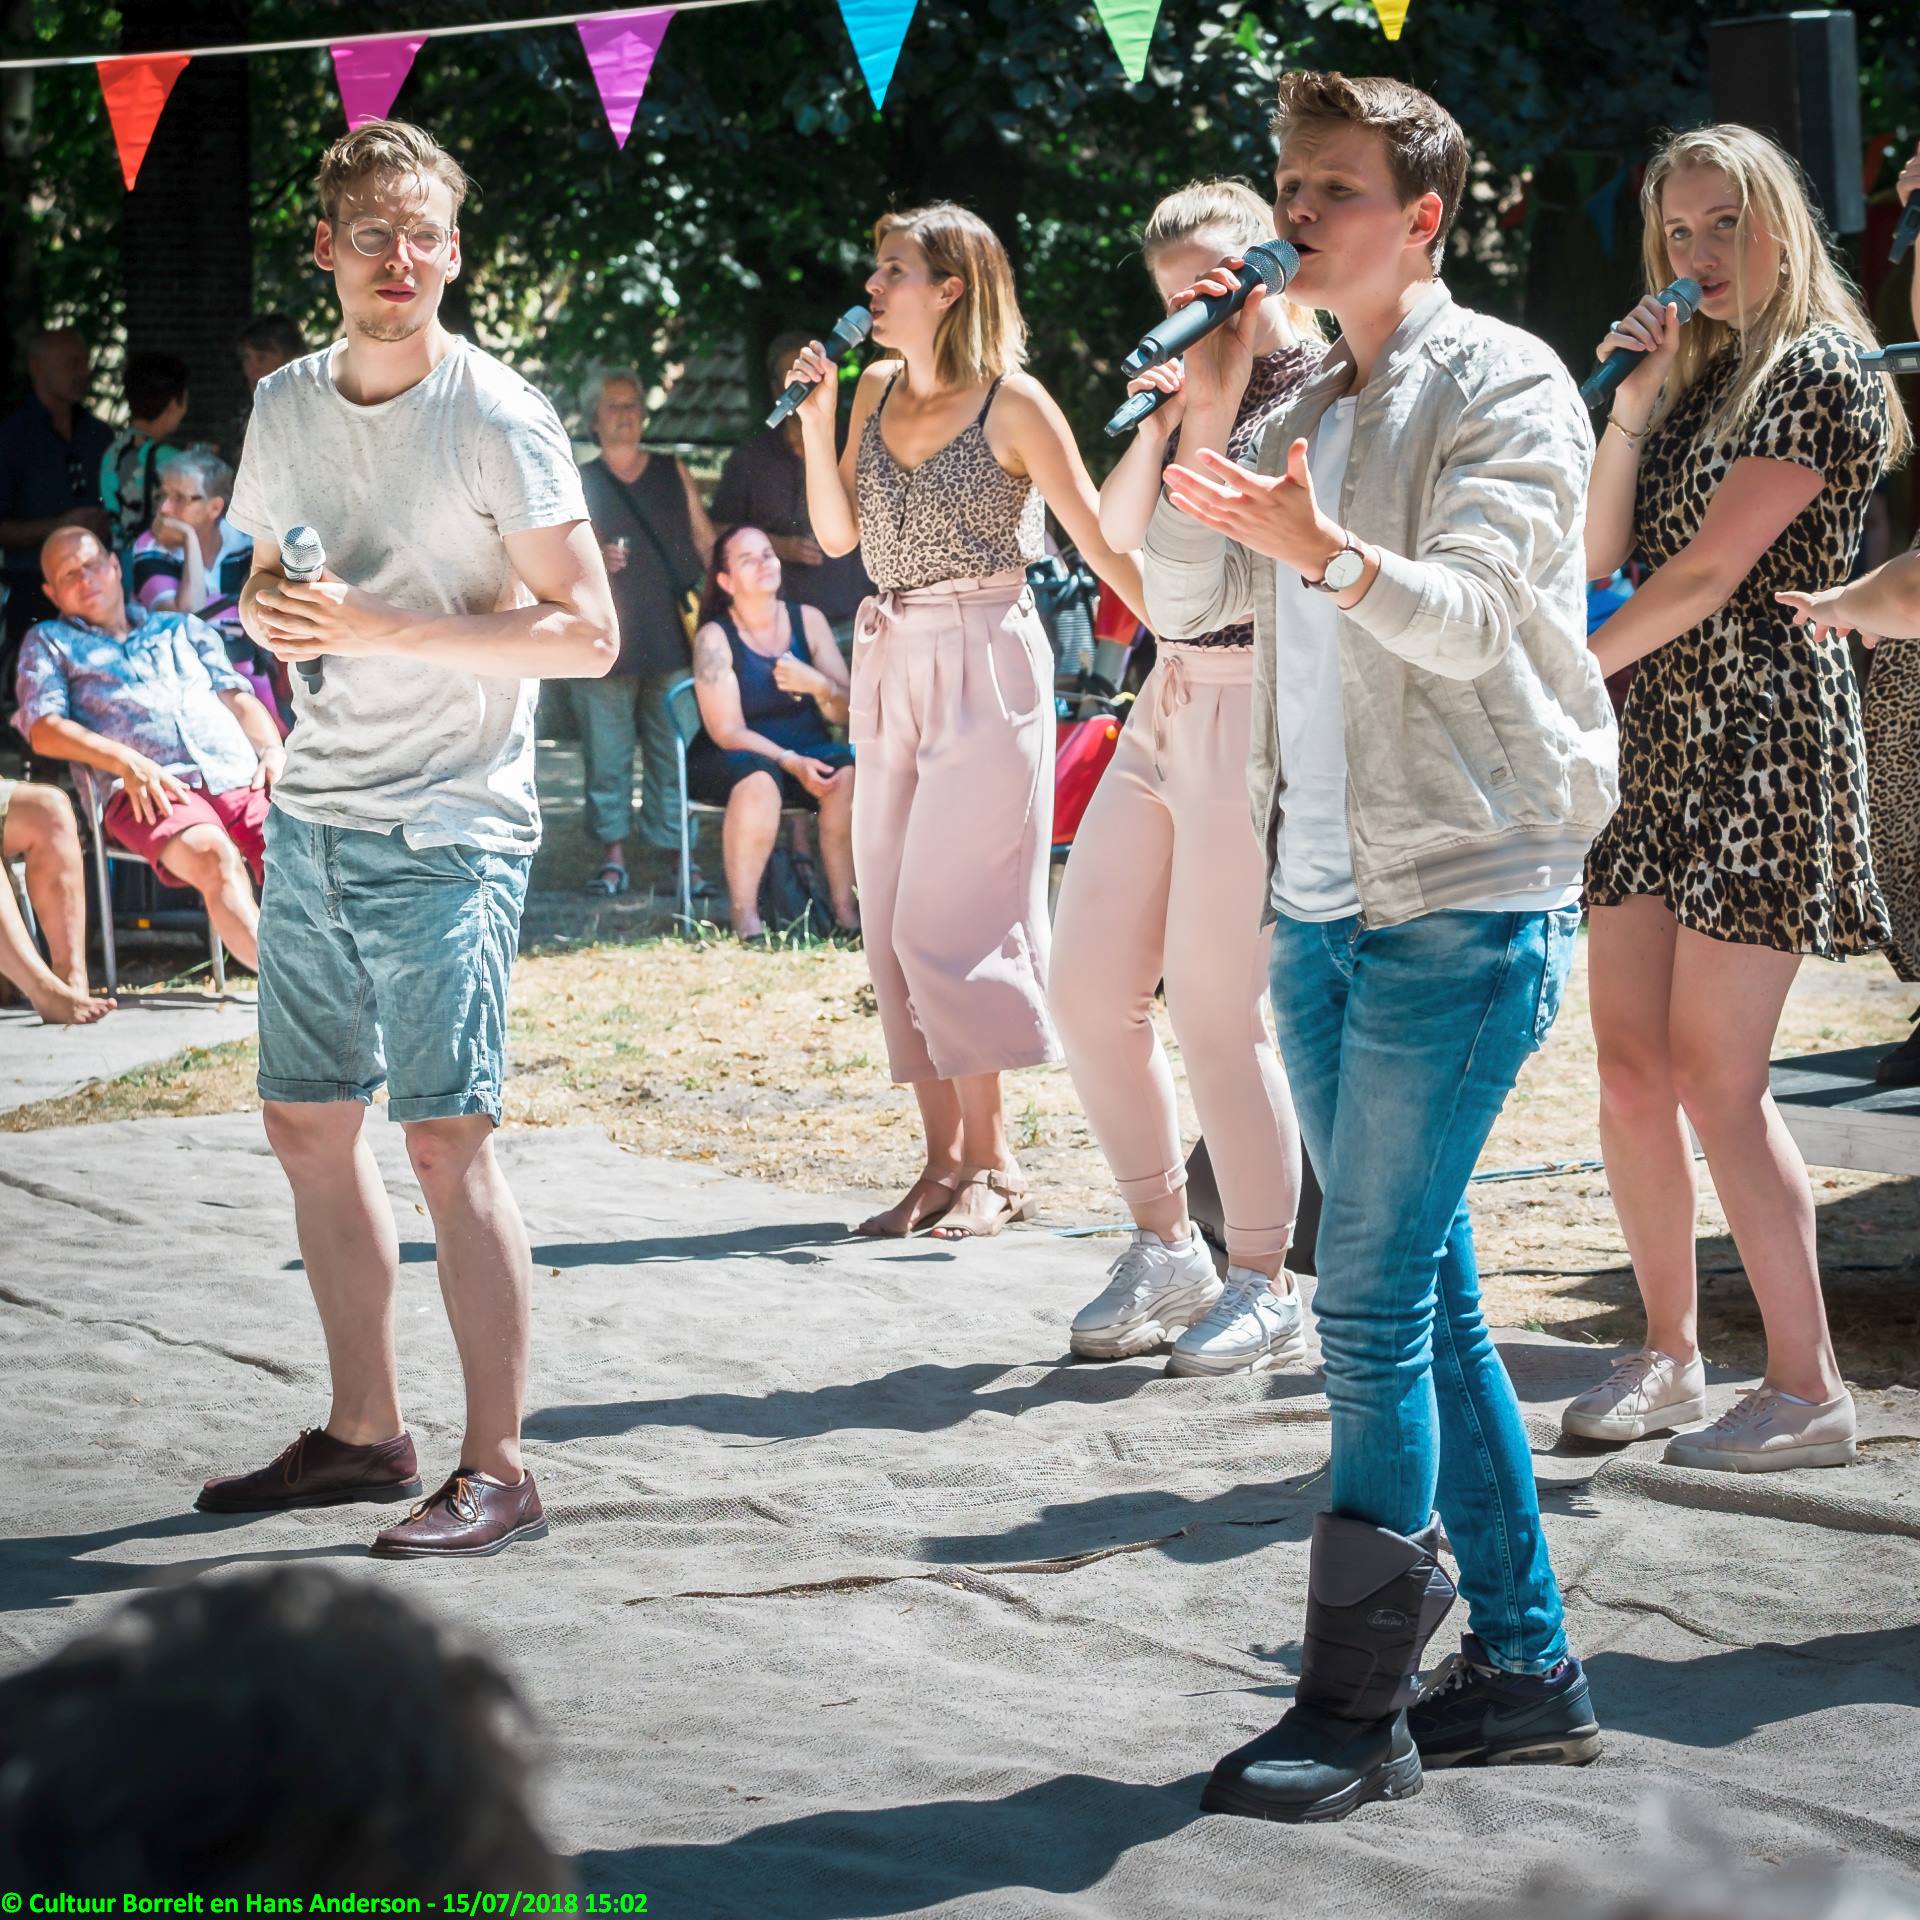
(1648, 1392)
(1154, 1292)
(1764, 1431)
(1249, 1329)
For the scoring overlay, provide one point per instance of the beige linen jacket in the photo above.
(1480, 741)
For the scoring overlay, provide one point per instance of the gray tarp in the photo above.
(857, 1602)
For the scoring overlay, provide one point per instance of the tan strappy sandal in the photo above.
(1007, 1183)
(948, 1183)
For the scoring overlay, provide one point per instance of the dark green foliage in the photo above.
(743, 200)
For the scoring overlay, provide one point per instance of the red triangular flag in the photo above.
(135, 88)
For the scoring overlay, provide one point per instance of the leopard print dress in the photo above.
(1743, 786)
(1892, 714)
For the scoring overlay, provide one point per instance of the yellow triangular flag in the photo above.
(1393, 16)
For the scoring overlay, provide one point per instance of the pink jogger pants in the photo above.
(1164, 882)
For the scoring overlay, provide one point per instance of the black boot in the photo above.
(1901, 1066)
(1374, 1599)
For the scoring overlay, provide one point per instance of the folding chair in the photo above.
(94, 793)
(683, 709)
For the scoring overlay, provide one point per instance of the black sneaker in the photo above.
(1471, 1712)
(1901, 1066)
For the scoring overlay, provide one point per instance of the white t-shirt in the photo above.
(411, 498)
(1313, 858)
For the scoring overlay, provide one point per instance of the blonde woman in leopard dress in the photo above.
(1738, 461)
(953, 454)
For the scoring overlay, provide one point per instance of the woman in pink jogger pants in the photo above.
(950, 454)
(1165, 883)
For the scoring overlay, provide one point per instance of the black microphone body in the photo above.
(1907, 232)
(1272, 264)
(849, 330)
(302, 557)
(1684, 296)
(1903, 356)
(1135, 408)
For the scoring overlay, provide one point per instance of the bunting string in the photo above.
(621, 45)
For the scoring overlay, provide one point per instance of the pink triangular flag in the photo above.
(621, 52)
(135, 89)
(371, 74)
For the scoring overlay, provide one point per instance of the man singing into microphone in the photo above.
(461, 567)
(1432, 753)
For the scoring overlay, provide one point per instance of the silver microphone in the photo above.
(302, 557)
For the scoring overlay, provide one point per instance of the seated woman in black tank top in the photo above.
(770, 682)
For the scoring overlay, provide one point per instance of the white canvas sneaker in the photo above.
(1154, 1292)
(1648, 1392)
(1764, 1431)
(1249, 1329)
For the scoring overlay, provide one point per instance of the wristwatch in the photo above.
(1343, 570)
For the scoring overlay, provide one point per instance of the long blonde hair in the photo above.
(982, 335)
(1229, 210)
(1812, 290)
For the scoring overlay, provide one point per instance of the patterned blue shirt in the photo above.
(157, 692)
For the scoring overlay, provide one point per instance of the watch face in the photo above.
(1344, 569)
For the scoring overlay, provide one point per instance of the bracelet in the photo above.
(1626, 433)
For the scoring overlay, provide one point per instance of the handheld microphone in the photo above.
(849, 330)
(1684, 297)
(1902, 357)
(302, 557)
(1907, 232)
(1135, 408)
(1272, 264)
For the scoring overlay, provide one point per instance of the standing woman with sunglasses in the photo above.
(1737, 460)
(953, 454)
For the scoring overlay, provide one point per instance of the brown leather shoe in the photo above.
(318, 1471)
(466, 1518)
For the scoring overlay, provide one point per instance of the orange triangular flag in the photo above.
(1393, 16)
(135, 88)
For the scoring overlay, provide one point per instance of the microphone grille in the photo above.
(301, 551)
(854, 325)
(1686, 298)
(1275, 262)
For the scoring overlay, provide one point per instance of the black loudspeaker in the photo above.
(1796, 76)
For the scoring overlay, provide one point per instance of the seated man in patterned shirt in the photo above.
(150, 699)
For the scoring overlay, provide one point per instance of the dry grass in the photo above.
(770, 1064)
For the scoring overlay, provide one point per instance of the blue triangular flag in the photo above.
(878, 28)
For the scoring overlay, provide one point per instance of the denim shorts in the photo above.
(382, 963)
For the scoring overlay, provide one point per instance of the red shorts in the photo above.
(240, 813)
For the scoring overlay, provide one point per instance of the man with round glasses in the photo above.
(461, 569)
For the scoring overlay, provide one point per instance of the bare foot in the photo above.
(989, 1198)
(64, 1006)
(926, 1201)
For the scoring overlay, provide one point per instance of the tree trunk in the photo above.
(19, 288)
(187, 255)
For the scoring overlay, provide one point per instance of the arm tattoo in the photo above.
(712, 659)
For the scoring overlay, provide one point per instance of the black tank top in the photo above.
(791, 719)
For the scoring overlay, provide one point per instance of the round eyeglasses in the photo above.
(376, 237)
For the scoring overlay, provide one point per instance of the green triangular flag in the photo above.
(1129, 25)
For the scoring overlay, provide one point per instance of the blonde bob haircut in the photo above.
(1811, 291)
(982, 335)
(1226, 216)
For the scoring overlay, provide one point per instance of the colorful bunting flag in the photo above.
(1129, 25)
(621, 53)
(135, 89)
(878, 29)
(1393, 16)
(371, 74)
